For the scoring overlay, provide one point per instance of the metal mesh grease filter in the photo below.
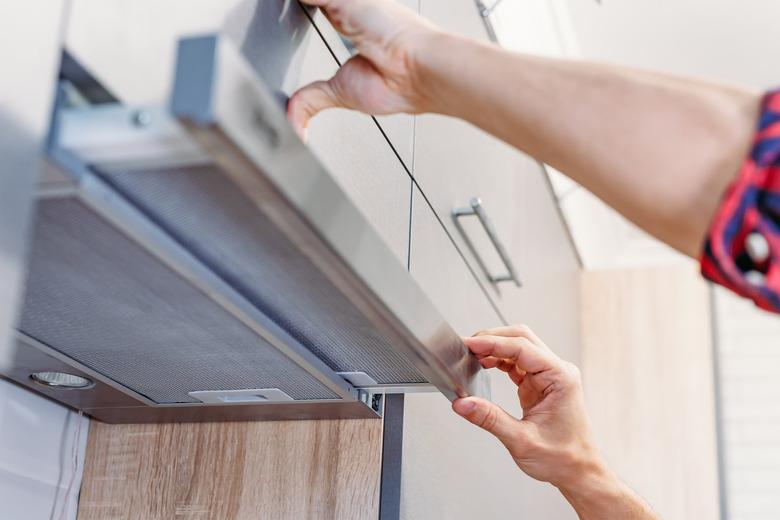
(214, 220)
(96, 296)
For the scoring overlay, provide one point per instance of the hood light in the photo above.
(62, 380)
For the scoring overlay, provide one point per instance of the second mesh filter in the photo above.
(214, 220)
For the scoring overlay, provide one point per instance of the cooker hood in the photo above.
(195, 261)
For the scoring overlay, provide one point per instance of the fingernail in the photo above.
(464, 406)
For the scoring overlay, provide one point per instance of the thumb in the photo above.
(488, 416)
(308, 102)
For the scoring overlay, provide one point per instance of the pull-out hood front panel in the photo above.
(205, 258)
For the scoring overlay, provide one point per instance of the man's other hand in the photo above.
(553, 440)
(381, 79)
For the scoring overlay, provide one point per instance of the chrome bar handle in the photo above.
(477, 210)
(485, 12)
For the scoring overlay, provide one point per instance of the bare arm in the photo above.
(658, 149)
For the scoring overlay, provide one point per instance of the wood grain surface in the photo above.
(648, 372)
(233, 471)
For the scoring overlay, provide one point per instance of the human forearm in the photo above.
(606, 127)
(600, 495)
(553, 441)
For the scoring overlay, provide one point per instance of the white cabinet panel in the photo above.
(131, 47)
(455, 162)
(436, 265)
(399, 128)
(454, 471)
(42, 448)
(449, 465)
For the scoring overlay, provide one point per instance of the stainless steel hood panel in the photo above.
(238, 122)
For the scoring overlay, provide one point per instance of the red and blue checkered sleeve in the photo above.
(742, 249)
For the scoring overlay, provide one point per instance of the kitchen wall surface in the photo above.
(42, 448)
(723, 40)
(748, 341)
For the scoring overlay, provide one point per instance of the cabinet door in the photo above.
(455, 162)
(397, 128)
(438, 268)
(451, 469)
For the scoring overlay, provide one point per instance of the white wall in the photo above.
(749, 346)
(729, 41)
(42, 448)
(724, 40)
(42, 444)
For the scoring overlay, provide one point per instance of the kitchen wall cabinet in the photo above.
(437, 266)
(286, 52)
(455, 162)
(449, 467)
(398, 128)
(42, 448)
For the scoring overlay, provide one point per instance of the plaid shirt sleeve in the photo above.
(742, 249)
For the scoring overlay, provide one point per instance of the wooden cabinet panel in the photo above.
(649, 386)
(232, 471)
(451, 469)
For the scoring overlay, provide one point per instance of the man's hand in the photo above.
(381, 78)
(553, 441)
